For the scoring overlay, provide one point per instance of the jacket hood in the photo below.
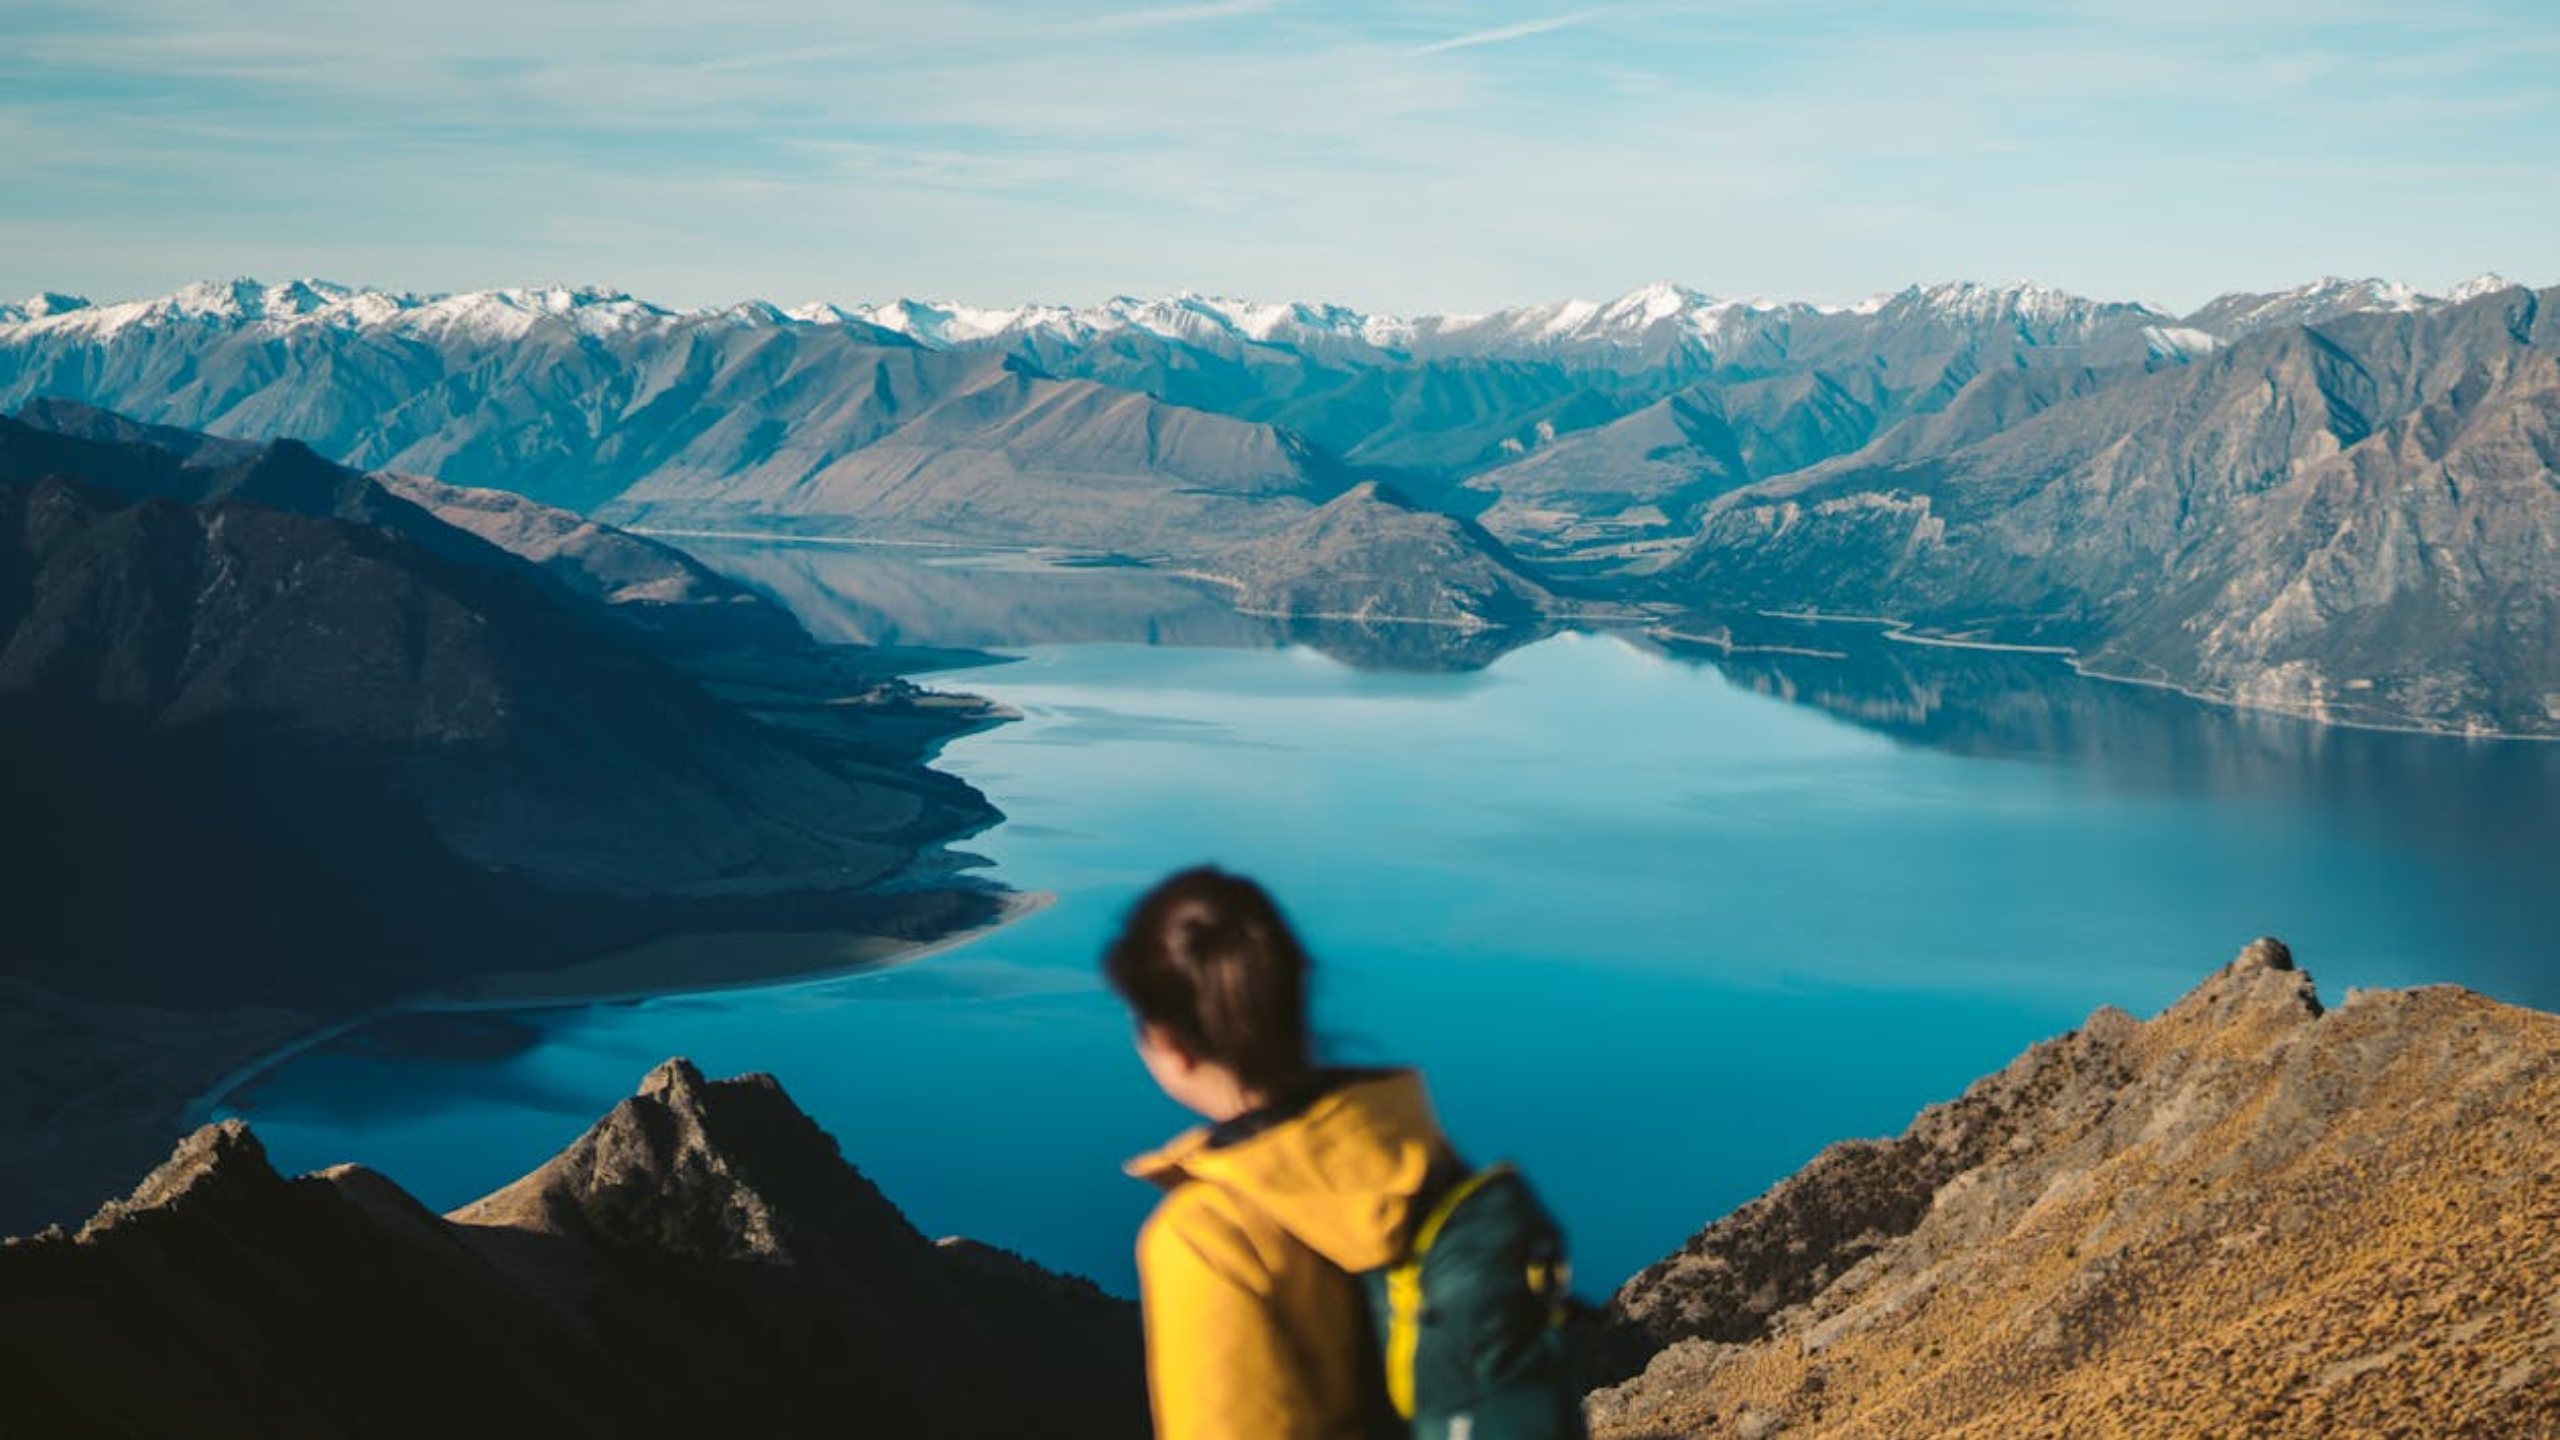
(1341, 1175)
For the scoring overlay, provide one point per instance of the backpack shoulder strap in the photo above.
(1404, 1287)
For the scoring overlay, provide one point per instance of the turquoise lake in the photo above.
(1656, 927)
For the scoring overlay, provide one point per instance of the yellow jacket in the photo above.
(1255, 1328)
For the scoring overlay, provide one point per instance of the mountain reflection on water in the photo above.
(2446, 793)
(2452, 794)
(2479, 810)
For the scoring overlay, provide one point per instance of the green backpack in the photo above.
(1475, 1318)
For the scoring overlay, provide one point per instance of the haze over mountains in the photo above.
(2327, 501)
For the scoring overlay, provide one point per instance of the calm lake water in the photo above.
(1657, 928)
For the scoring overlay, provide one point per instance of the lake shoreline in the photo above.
(703, 963)
(1905, 632)
(1857, 895)
(154, 1074)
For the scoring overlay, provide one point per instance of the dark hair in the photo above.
(1206, 957)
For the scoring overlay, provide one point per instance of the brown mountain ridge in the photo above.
(2247, 1216)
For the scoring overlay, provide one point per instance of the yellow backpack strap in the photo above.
(1404, 1290)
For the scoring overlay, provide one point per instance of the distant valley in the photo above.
(2334, 502)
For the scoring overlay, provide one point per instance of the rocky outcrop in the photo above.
(685, 1167)
(701, 1262)
(1854, 1199)
(2245, 1216)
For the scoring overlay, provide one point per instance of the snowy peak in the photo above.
(1195, 317)
(515, 313)
(2327, 298)
(205, 304)
(1186, 317)
(249, 300)
(1657, 315)
(2039, 312)
(1299, 320)
(1183, 316)
(40, 305)
(2486, 283)
(247, 304)
(751, 314)
(1652, 303)
(2179, 342)
(820, 312)
(949, 325)
(1644, 324)
(1293, 322)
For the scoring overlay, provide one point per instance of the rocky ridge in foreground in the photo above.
(2245, 1216)
(701, 1262)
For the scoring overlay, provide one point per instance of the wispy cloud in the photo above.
(777, 59)
(1500, 34)
(858, 147)
(1159, 17)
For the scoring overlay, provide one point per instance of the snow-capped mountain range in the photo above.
(1194, 319)
(1687, 448)
(309, 303)
(1654, 315)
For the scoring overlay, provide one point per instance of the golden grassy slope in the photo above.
(2284, 1223)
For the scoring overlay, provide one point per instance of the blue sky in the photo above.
(1403, 155)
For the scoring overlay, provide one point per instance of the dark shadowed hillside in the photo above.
(702, 1262)
(288, 762)
(660, 595)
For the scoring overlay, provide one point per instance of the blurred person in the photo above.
(1282, 1275)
